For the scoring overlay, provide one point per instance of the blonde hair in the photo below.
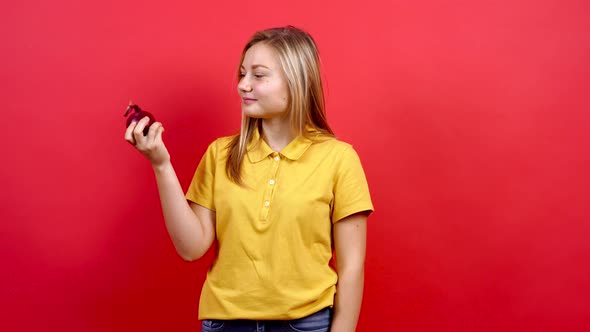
(299, 59)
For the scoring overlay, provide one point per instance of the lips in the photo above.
(248, 100)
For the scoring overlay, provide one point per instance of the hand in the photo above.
(151, 146)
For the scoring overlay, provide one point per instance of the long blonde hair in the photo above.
(299, 58)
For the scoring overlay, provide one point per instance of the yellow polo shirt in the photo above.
(274, 234)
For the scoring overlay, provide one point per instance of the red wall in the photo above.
(471, 119)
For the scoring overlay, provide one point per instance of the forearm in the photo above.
(349, 295)
(182, 223)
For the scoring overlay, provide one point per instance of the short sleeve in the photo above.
(351, 191)
(201, 188)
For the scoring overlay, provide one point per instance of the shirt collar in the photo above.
(258, 149)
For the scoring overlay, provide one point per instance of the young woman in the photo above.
(280, 198)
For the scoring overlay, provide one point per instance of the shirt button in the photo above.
(267, 203)
(271, 182)
(277, 158)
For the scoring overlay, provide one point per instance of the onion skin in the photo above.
(134, 113)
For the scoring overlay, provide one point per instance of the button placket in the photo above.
(270, 186)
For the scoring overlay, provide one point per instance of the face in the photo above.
(263, 86)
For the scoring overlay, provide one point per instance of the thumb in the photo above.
(159, 134)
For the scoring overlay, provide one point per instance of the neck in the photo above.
(277, 133)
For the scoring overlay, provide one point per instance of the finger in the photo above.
(159, 135)
(153, 131)
(138, 130)
(129, 133)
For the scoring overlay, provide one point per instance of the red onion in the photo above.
(135, 113)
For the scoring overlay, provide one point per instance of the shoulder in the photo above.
(221, 144)
(340, 154)
(223, 141)
(332, 146)
(217, 149)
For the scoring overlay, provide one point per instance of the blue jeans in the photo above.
(317, 322)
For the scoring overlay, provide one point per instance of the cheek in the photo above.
(273, 91)
(283, 93)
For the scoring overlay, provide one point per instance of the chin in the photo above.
(253, 112)
(257, 113)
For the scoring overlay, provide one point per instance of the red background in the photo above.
(470, 117)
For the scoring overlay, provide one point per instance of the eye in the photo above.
(258, 75)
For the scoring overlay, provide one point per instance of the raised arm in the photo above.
(190, 226)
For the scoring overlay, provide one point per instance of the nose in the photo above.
(244, 84)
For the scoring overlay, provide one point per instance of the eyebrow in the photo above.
(254, 66)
